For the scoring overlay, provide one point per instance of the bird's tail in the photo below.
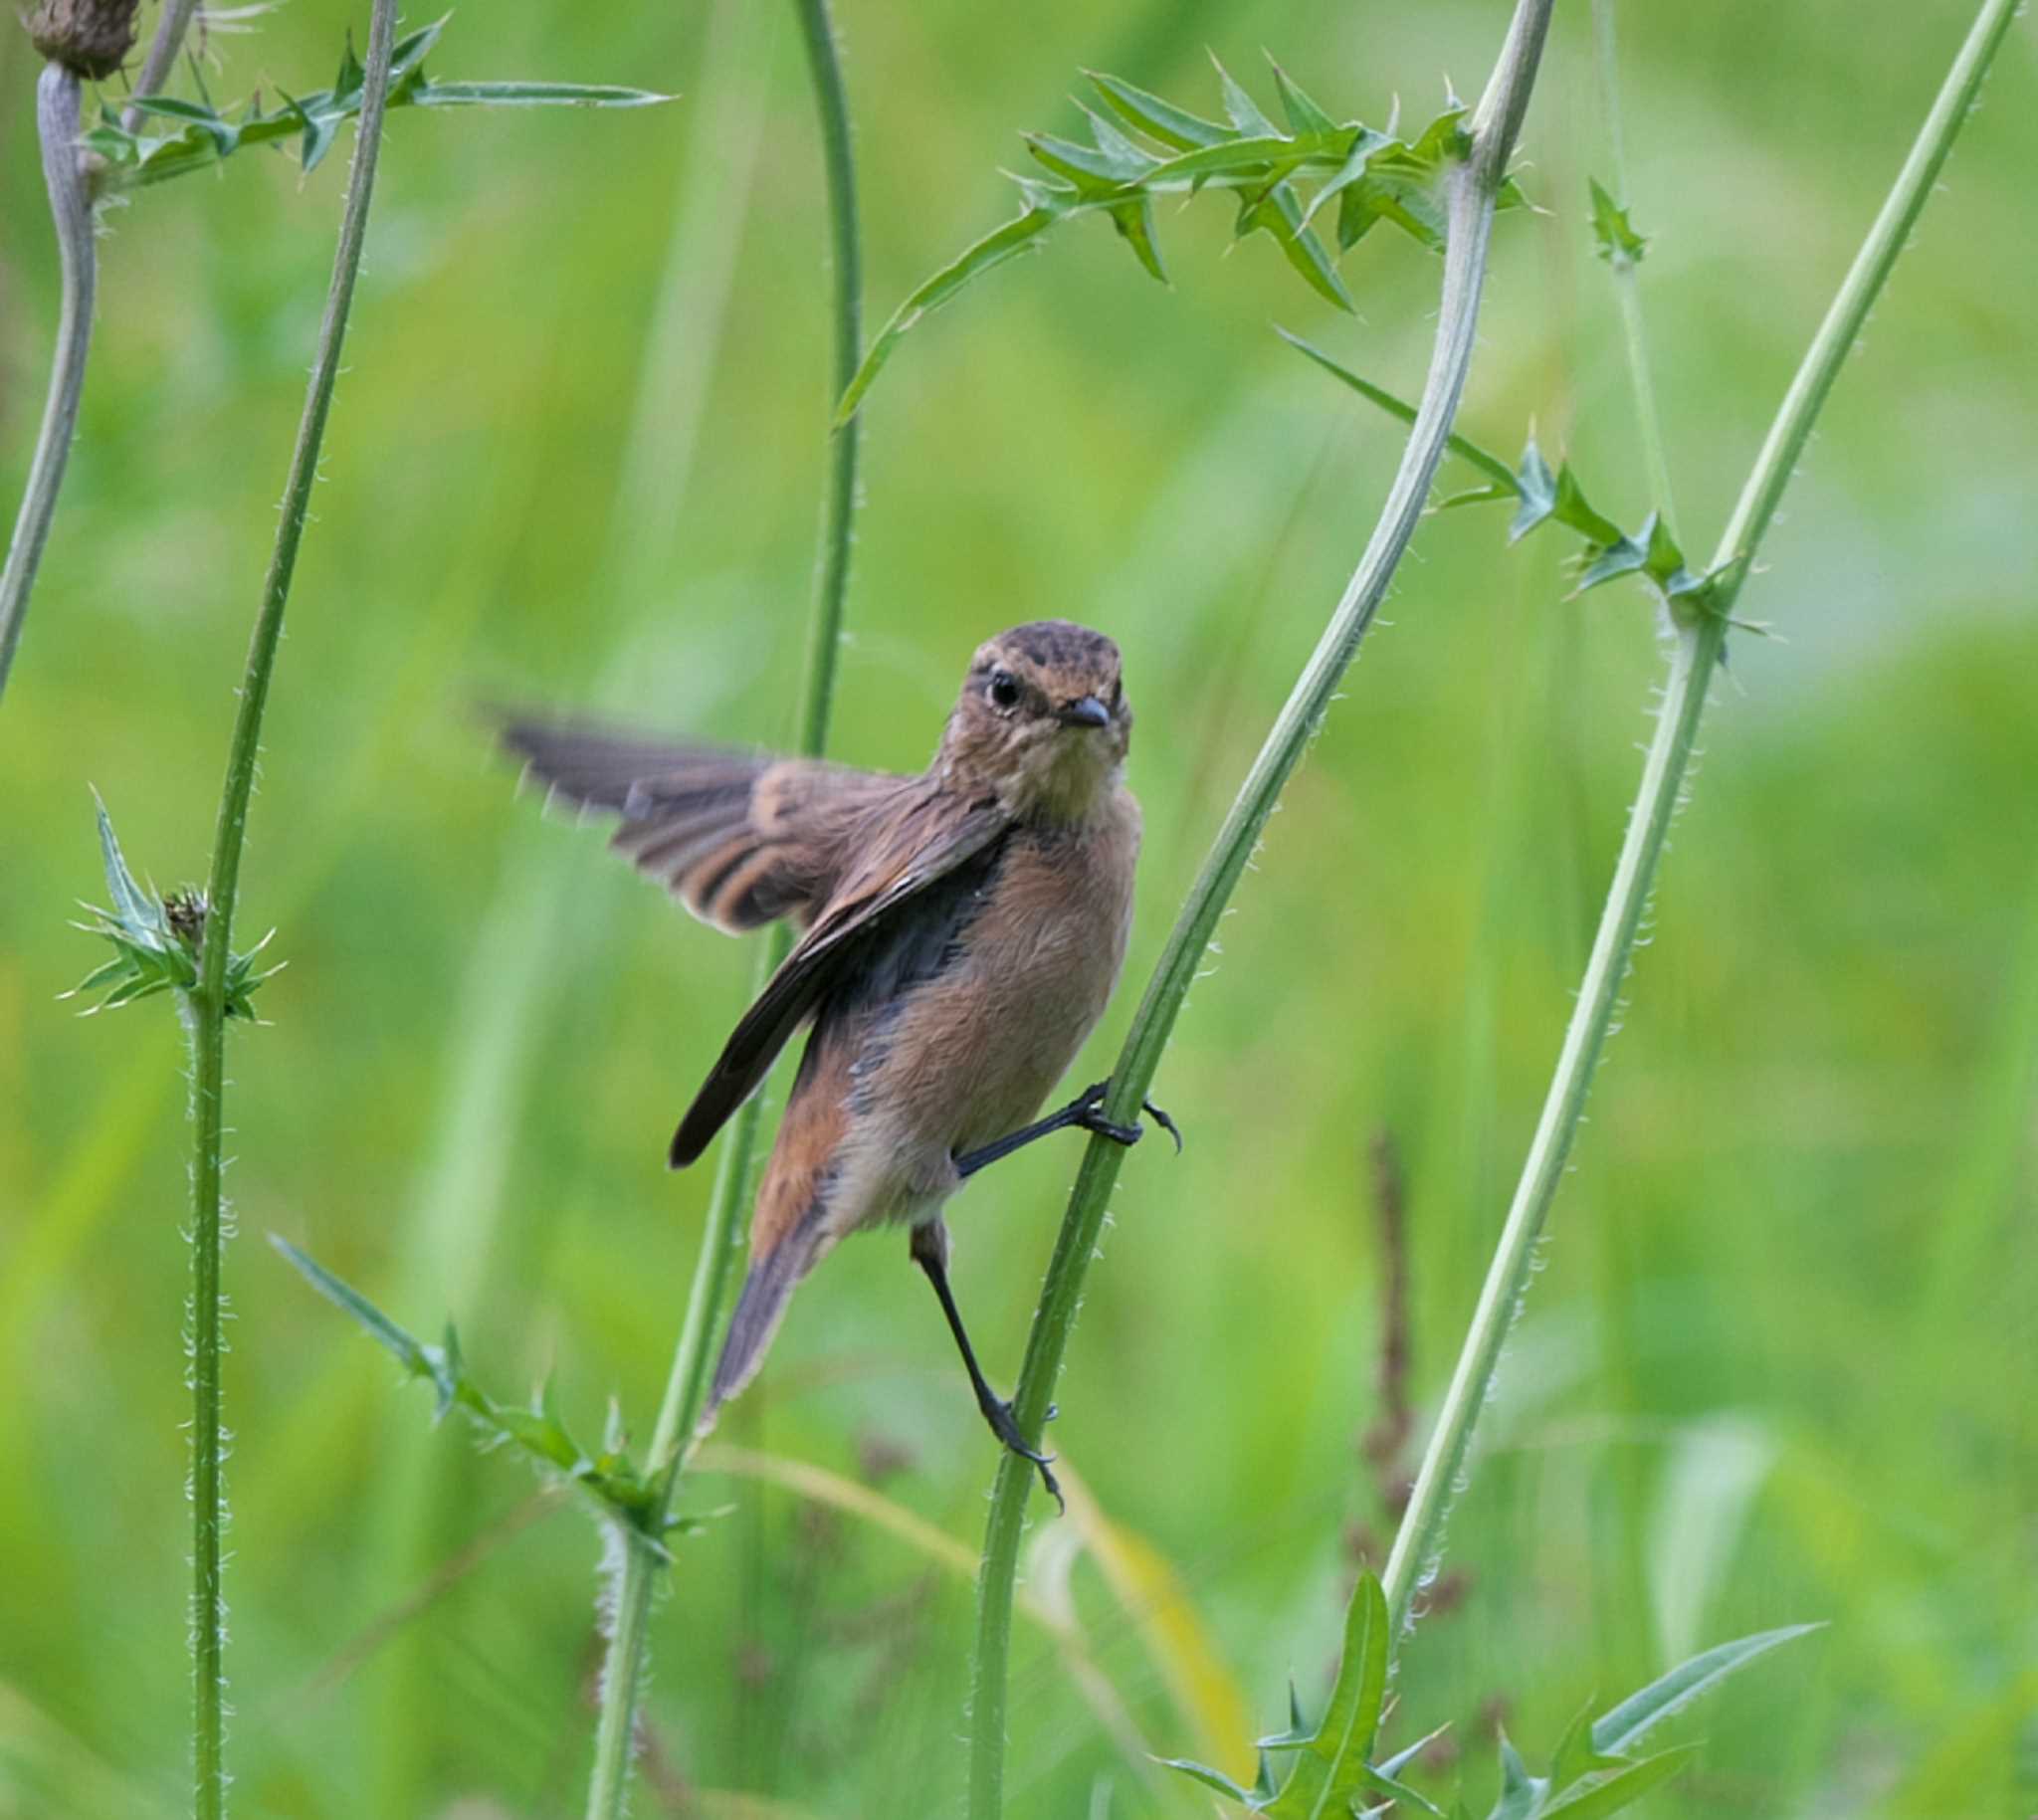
(761, 1307)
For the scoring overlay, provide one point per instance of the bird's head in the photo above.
(1042, 721)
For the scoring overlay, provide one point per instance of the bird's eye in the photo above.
(1004, 689)
(1118, 694)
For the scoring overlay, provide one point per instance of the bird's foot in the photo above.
(1006, 1426)
(1089, 1114)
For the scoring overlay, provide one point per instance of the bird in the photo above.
(961, 930)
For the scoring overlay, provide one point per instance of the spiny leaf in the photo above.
(1157, 120)
(1608, 1791)
(1618, 243)
(155, 942)
(1522, 1794)
(1210, 1778)
(538, 1431)
(1298, 1731)
(532, 95)
(1543, 496)
(139, 915)
(1150, 146)
(1574, 1756)
(1461, 446)
(1381, 1783)
(1304, 116)
(1408, 1754)
(1007, 242)
(1135, 220)
(1243, 111)
(1330, 1769)
(204, 136)
(1627, 1723)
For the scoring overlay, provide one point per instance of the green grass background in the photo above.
(1779, 1365)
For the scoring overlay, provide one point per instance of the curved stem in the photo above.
(1473, 185)
(1700, 642)
(162, 53)
(206, 1011)
(58, 98)
(722, 1240)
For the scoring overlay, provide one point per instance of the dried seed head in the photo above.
(185, 910)
(91, 37)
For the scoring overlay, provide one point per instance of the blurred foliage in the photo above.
(1773, 1370)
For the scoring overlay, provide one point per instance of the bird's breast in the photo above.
(973, 1048)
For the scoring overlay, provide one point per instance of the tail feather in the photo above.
(767, 1289)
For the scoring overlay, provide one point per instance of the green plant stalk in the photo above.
(58, 100)
(824, 640)
(1627, 281)
(721, 1239)
(1474, 186)
(1699, 641)
(207, 1003)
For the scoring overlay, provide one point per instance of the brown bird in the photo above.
(963, 930)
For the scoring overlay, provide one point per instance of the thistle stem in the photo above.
(1474, 186)
(206, 1010)
(170, 27)
(722, 1240)
(1694, 659)
(57, 99)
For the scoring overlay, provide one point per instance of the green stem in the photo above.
(831, 584)
(722, 1240)
(207, 1004)
(1627, 282)
(1473, 185)
(1698, 644)
(58, 94)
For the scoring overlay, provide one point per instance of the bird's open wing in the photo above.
(740, 839)
(901, 847)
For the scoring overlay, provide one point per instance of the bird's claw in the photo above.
(1091, 1119)
(1167, 1123)
(1006, 1427)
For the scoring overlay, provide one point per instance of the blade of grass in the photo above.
(205, 1006)
(1473, 188)
(1701, 637)
(686, 1386)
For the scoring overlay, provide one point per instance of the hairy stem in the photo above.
(1693, 658)
(722, 1240)
(207, 1001)
(1627, 281)
(1473, 185)
(831, 582)
(58, 95)
(170, 28)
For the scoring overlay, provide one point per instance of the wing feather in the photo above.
(907, 846)
(740, 839)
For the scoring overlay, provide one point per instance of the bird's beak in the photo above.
(1086, 712)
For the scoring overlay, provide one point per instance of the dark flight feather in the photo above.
(910, 844)
(740, 839)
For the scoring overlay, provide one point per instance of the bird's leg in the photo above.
(1085, 1112)
(930, 1252)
